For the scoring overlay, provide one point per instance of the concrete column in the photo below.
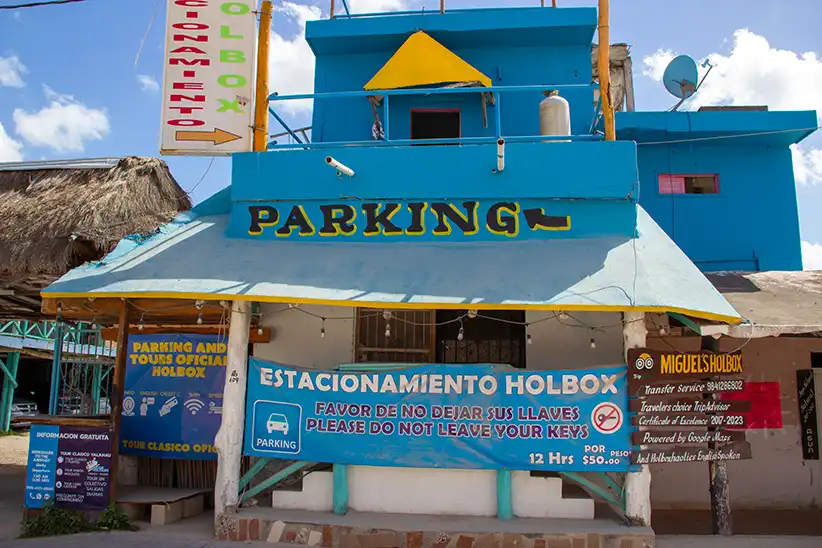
(637, 484)
(229, 439)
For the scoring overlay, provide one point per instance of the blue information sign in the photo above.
(441, 416)
(68, 466)
(173, 400)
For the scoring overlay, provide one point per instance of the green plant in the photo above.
(114, 519)
(11, 432)
(55, 521)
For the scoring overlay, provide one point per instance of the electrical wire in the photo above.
(39, 4)
(211, 163)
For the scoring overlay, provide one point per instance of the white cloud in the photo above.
(754, 73)
(148, 83)
(811, 256)
(654, 64)
(12, 71)
(374, 6)
(291, 61)
(64, 125)
(10, 150)
(807, 165)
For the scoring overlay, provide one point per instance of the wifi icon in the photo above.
(193, 405)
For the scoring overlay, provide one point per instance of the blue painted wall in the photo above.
(486, 39)
(751, 224)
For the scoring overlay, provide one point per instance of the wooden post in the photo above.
(229, 439)
(261, 94)
(718, 474)
(637, 484)
(604, 66)
(118, 381)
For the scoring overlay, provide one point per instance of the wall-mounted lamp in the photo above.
(339, 167)
(500, 155)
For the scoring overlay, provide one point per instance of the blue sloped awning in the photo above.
(191, 258)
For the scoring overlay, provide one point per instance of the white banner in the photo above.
(208, 83)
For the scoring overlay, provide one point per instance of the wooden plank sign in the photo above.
(694, 404)
(806, 396)
(686, 437)
(692, 420)
(645, 365)
(684, 388)
(735, 451)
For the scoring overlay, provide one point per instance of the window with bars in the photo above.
(427, 336)
(407, 336)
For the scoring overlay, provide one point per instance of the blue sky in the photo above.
(70, 87)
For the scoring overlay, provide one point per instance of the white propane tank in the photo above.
(554, 115)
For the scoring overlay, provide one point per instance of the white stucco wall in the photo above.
(296, 341)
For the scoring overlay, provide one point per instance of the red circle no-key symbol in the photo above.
(606, 418)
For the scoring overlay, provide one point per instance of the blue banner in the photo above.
(173, 401)
(441, 416)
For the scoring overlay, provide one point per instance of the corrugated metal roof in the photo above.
(83, 163)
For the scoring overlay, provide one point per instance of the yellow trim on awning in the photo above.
(423, 61)
(391, 305)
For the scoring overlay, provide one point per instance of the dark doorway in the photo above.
(435, 123)
(494, 336)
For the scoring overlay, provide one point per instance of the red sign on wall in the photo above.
(766, 405)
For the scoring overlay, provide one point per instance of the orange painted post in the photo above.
(261, 95)
(604, 65)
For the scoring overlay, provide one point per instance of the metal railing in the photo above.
(422, 11)
(495, 94)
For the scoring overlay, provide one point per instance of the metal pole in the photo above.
(96, 383)
(261, 97)
(331, 11)
(604, 65)
(9, 382)
(56, 362)
(719, 487)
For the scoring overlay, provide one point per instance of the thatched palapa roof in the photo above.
(57, 215)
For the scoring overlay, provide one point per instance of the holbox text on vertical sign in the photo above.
(208, 84)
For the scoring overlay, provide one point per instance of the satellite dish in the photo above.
(681, 77)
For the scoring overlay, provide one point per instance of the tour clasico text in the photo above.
(534, 384)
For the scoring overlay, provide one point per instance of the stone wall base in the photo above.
(338, 536)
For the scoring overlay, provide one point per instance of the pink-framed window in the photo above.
(690, 183)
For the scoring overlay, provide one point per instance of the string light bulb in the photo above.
(200, 318)
(563, 315)
(259, 330)
(528, 338)
(461, 334)
(593, 342)
(322, 329)
(663, 331)
(386, 314)
(140, 325)
(388, 331)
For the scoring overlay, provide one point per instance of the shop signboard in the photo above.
(806, 396)
(735, 451)
(646, 366)
(173, 399)
(208, 84)
(679, 404)
(68, 466)
(441, 416)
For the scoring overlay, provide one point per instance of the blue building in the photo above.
(439, 216)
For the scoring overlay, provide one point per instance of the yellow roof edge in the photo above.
(731, 320)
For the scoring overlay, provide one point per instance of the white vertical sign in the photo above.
(208, 83)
